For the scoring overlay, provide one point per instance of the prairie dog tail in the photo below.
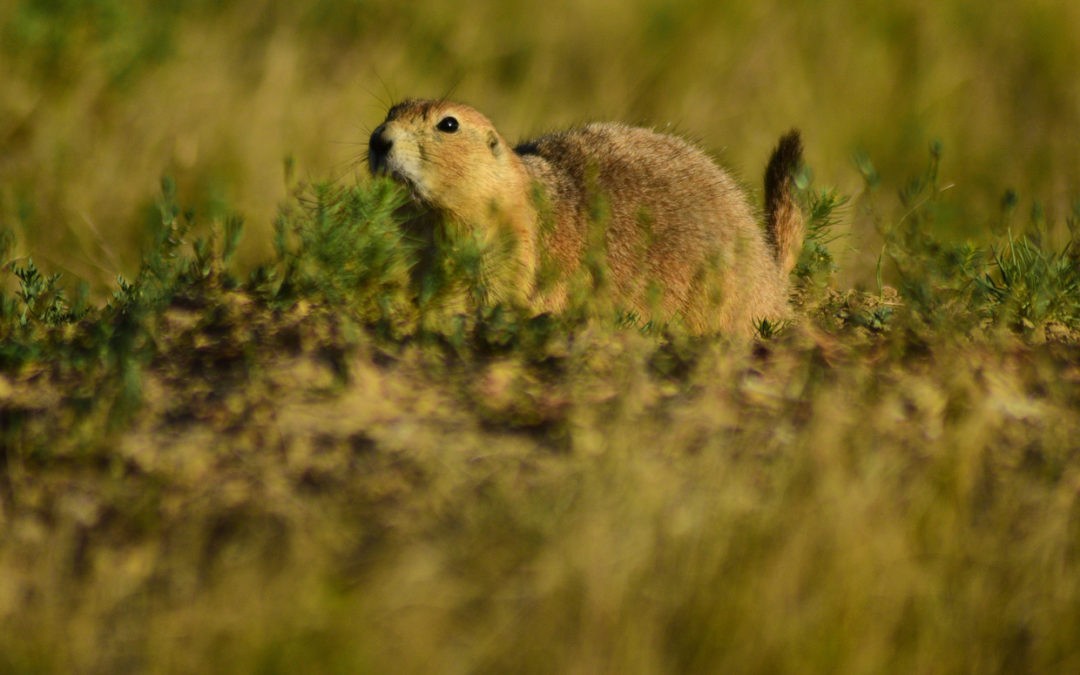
(784, 224)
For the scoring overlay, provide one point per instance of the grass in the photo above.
(307, 469)
(101, 100)
(250, 441)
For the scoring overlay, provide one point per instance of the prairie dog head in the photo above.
(449, 155)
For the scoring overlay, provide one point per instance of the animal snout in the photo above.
(378, 148)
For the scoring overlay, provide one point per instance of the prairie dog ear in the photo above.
(493, 143)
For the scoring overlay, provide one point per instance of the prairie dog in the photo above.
(679, 235)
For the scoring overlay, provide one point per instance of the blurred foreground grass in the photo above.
(310, 469)
(267, 453)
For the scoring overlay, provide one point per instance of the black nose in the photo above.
(378, 148)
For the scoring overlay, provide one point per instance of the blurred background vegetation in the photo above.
(238, 100)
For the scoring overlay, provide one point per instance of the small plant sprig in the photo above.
(816, 264)
(43, 300)
(40, 299)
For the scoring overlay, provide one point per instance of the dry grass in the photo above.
(305, 470)
(810, 506)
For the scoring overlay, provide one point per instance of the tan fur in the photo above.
(674, 220)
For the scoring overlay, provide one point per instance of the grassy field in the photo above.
(233, 438)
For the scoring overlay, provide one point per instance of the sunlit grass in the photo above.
(101, 100)
(257, 441)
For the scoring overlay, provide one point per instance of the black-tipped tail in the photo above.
(784, 224)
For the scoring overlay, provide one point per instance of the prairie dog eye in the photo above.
(448, 125)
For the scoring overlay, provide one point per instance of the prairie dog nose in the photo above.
(378, 148)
